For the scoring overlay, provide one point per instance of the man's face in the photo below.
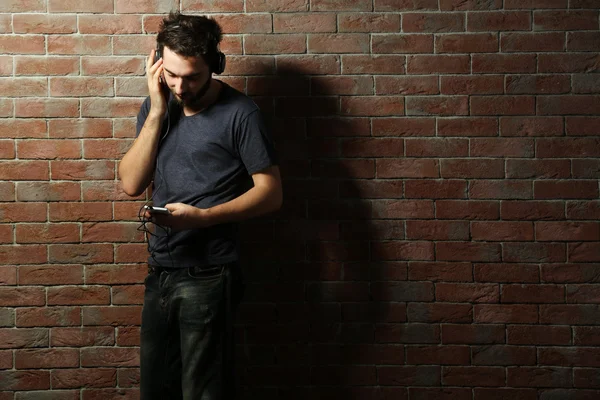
(184, 76)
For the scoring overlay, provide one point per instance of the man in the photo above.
(204, 146)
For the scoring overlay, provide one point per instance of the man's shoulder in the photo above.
(238, 101)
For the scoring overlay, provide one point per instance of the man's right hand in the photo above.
(154, 72)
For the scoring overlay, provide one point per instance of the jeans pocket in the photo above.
(206, 274)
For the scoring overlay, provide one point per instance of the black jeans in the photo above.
(187, 333)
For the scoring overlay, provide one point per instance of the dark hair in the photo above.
(190, 36)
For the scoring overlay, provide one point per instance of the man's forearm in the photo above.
(137, 166)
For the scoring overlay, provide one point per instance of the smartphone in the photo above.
(157, 210)
(157, 55)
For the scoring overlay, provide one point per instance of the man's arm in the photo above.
(137, 166)
(266, 196)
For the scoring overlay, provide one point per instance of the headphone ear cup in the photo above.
(219, 63)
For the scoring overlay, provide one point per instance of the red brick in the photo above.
(79, 45)
(583, 294)
(567, 231)
(584, 252)
(46, 108)
(403, 209)
(371, 190)
(24, 380)
(472, 334)
(128, 336)
(490, 84)
(532, 210)
(339, 43)
(80, 253)
(128, 294)
(534, 84)
(73, 295)
(473, 376)
(499, 21)
(433, 22)
(83, 336)
(50, 274)
(402, 43)
(23, 212)
(470, 5)
(441, 64)
(370, 23)
(502, 105)
(583, 84)
(49, 149)
(436, 147)
(83, 170)
(62, 212)
(531, 126)
(22, 128)
(467, 43)
(113, 316)
(568, 63)
(23, 87)
(440, 355)
(440, 189)
(405, 5)
(407, 168)
(46, 233)
(22, 44)
(568, 147)
(84, 378)
(101, 394)
(505, 314)
(534, 252)
(517, 273)
(81, 87)
(566, 189)
(562, 20)
(275, 44)
(407, 85)
(22, 338)
(48, 316)
(469, 168)
(46, 358)
(582, 126)
(583, 41)
(536, 4)
(36, 65)
(583, 209)
(372, 105)
(408, 376)
(403, 126)
(467, 293)
(398, 250)
(440, 271)
(504, 355)
(308, 64)
(539, 377)
(402, 291)
(586, 335)
(501, 147)
(44, 23)
(435, 105)
(207, 6)
(468, 251)
(532, 42)
(500, 189)
(569, 314)
(440, 312)
(570, 273)
(25, 254)
(109, 357)
(539, 169)
(437, 230)
(281, 6)
(131, 253)
(467, 126)
(502, 231)
(78, 128)
(303, 22)
(100, 6)
(23, 6)
(538, 335)
(342, 85)
(467, 209)
(533, 294)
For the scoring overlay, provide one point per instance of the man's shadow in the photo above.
(316, 292)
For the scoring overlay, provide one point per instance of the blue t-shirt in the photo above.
(204, 160)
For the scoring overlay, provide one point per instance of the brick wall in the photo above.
(440, 234)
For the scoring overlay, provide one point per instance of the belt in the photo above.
(156, 270)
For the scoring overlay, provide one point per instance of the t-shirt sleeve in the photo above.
(254, 144)
(142, 115)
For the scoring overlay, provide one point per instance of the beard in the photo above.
(192, 100)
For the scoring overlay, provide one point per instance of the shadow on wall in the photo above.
(319, 295)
